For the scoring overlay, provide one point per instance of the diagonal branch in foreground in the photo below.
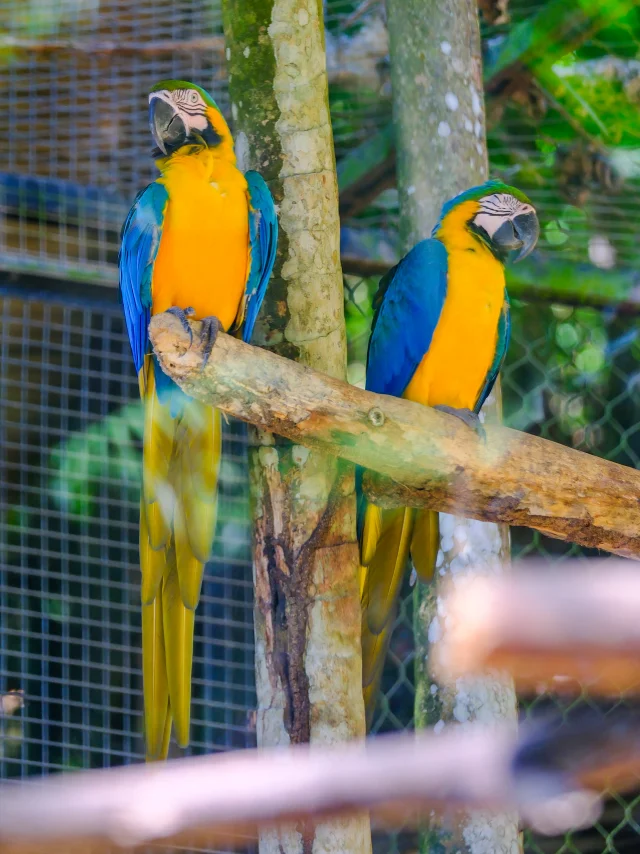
(417, 456)
(220, 801)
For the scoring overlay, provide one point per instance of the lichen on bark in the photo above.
(436, 75)
(307, 624)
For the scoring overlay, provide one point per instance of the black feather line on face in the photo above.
(197, 110)
(496, 210)
(505, 205)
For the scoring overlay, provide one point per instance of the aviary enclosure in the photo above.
(561, 88)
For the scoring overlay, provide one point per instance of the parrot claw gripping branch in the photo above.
(202, 235)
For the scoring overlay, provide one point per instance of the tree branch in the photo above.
(427, 458)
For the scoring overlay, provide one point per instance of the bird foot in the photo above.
(208, 334)
(182, 314)
(471, 419)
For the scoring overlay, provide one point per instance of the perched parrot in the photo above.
(199, 241)
(439, 337)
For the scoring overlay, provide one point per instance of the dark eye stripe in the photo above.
(496, 210)
(184, 95)
(193, 109)
(502, 205)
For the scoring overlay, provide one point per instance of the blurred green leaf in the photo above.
(105, 457)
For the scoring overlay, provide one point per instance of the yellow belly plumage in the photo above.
(454, 370)
(203, 258)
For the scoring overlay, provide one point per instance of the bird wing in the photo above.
(140, 240)
(408, 306)
(263, 243)
(407, 309)
(502, 345)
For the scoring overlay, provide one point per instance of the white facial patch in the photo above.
(189, 105)
(497, 209)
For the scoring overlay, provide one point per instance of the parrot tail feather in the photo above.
(386, 538)
(425, 543)
(154, 677)
(181, 460)
(178, 622)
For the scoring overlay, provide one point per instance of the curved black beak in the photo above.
(527, 228)
(521, 233)
(167, 128)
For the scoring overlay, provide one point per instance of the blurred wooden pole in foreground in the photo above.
(222, 800)
(548, 772)
(548, 628)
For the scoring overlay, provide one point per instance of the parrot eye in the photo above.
(194, 97)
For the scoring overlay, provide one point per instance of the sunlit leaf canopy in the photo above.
(563, 96)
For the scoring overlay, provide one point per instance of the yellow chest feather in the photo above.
(203, 257)
(454, 370)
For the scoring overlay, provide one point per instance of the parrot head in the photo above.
(500, 216)
(181, 113)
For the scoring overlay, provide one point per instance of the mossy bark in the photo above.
(436, 74)
(307, 613)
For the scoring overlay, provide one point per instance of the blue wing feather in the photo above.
(410, 301)
(139, 246)
(263, 236)
(502, 345)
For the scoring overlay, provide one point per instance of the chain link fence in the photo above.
(73, 85)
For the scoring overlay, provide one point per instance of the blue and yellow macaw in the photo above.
(199, 241)
(439, 337)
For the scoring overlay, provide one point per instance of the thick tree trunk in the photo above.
(307, 624)
(436, 75)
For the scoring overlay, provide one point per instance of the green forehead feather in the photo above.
(172, 85)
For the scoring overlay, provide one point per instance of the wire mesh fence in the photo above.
(69, 618)
(74, 80)
(69, 594)
(73, 85)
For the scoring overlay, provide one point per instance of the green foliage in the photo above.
(358, 311)
(569, 376)
(557, 27)
(364, 157)
(619, 39)
(108, 451)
